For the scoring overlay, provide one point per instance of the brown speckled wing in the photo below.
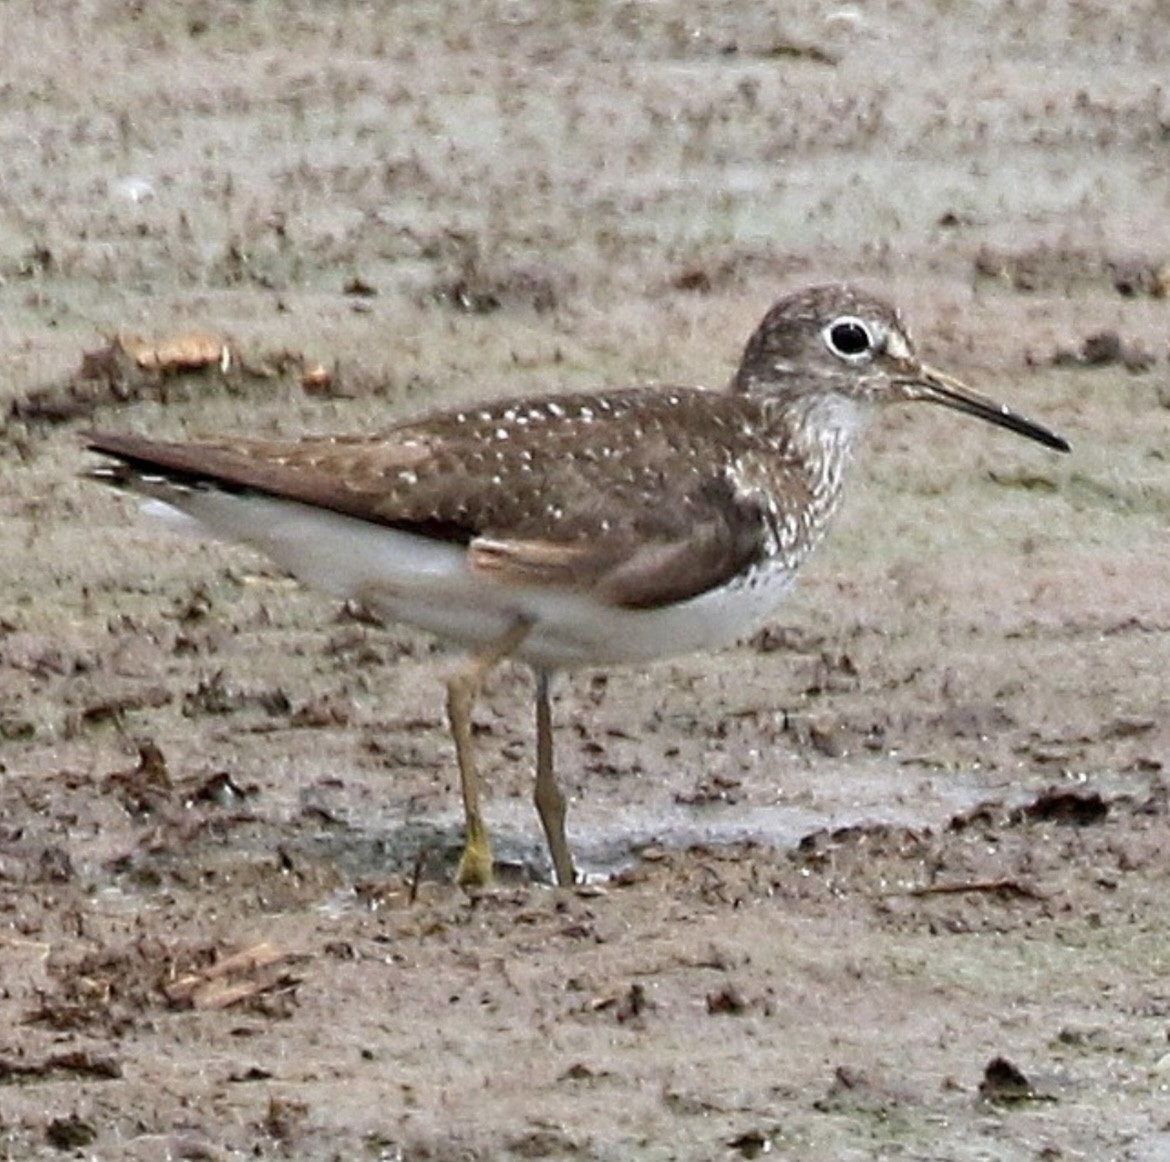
(632, 495)
(639, 568)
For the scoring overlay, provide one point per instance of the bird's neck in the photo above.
(822, 430)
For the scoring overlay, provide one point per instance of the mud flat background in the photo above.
(889, 881)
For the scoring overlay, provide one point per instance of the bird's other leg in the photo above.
(549, 799)
(475, 865)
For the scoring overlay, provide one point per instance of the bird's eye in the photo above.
(850, 338)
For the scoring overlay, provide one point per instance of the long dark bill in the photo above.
(936, 387)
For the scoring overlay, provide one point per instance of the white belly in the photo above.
(427, 584)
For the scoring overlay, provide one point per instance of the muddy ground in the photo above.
(888, 881)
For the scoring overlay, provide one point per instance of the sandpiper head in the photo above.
(835, 342)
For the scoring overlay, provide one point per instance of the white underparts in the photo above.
(427, 583)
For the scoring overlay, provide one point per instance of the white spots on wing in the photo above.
(555, 410)
(526, 455)
(408, 476)
(497, 479)
(486, 416)
(586, 414)
(787, 544)
(502, 433)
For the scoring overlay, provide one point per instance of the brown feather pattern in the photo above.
(634, 494)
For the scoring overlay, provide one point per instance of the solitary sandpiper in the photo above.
(570, 530)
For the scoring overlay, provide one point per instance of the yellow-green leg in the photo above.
(475, 865)
(550, 800)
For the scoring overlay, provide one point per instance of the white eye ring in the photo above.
(850, 338)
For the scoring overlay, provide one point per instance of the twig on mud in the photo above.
(416, 873)
(998, 887)
(235, 978)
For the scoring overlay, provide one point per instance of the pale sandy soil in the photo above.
(918, 825)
